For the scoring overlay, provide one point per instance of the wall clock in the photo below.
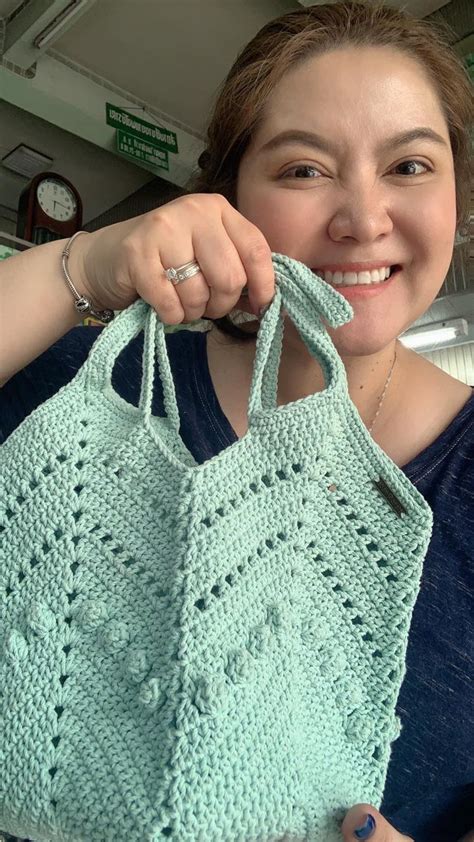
(49, 208)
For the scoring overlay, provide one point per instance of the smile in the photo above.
(364, 278)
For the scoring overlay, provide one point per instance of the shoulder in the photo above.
(445, 468)
(427, 402)
(44, 376)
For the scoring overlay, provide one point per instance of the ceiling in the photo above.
(162, 60)
(173, 54)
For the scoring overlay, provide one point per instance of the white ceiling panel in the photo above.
(173, 54)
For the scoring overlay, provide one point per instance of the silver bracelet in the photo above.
(81, 303)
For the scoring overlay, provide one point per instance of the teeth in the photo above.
(375, 276)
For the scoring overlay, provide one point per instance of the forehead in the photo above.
(343, 90)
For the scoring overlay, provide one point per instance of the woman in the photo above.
(340, 138)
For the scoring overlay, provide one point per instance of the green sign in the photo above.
(120, 119)
(141, 150)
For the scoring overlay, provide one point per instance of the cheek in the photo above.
(428, 222)
(281, 216)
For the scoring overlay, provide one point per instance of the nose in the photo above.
(361, 215)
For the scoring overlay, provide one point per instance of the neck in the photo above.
(301, 375)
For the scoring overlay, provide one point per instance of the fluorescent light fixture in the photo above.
(58, 23)
(439, 334)
(26, 161)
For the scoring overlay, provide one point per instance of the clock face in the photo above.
(56, 199)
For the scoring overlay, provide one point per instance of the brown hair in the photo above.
(286, 41)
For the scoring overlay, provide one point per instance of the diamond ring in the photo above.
(182, 273)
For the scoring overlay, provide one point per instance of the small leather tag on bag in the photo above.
(390, 496)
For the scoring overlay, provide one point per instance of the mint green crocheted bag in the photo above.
(204, 653)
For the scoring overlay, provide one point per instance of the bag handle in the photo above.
(115, 337)
(307, 300)
(155, 343)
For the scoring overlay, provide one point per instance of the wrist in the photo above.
(85, 300)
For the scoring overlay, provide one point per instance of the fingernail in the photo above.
(367, 829)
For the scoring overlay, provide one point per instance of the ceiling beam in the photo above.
(34, 19)
(66, 98)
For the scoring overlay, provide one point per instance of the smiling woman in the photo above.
(348, 156)
(226, 615)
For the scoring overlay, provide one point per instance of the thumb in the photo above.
(365, 822)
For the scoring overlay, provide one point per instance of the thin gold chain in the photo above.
(384, 392)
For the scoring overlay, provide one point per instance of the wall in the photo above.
(458, 362)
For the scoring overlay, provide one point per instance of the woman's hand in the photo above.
(376, 829)
(355, 826)
(117, 264)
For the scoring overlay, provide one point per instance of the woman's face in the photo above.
(353, 191)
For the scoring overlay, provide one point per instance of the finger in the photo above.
(256, 257)
(145, 270)
(193, 293)
(221, 267)
(363, 821)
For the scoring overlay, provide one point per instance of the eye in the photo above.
(300, 171)
(412, 164)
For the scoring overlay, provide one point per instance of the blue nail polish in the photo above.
(367, 830)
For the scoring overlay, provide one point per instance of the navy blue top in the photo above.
(429, 792)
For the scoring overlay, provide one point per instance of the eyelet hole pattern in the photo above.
(361, 529)
(264, 482)
(229, 580)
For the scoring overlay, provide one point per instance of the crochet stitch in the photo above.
(202, 652)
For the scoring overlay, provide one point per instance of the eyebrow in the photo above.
(305, 138)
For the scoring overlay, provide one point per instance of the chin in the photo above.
(353, 343)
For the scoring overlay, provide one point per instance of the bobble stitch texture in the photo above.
(277, 618)
(349, 694)
(357, 728)
(210, 696)
(92, 613)
(333, 660)
(240, 666)
(114, 636)
(259, 639)
(15, 648)
(41, 619)
(150, 693)
(315, 632)
(137, 665)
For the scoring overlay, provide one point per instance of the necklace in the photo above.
(387, 382)
(383, 393)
